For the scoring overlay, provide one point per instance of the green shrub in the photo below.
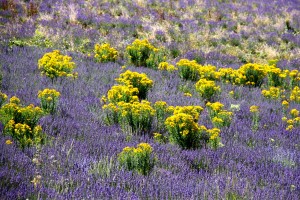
(20, 122)
(138, 159)
(49, 100)
(207, 89)
(54, 65)
(184, 131)
(137, 80)
(142, 53)
(188, 69)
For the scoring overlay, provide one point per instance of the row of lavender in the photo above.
(80, 161)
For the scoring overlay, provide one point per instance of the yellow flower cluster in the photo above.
(254, 109)
(207, 89)
(8, 142)
(46, 93)
(218, 116)
(285, 104)
(272, 93)
(21, 122)
(136, 116)
(255, 117)
(138, 159)
(14, 100)
(194, 111)
(213, 133)
(294, 121)
(275, 76)
(294, 113)
(209, 72)
(187, 94)
(295, 94)
(142, 53)
(105, 53)
(54, 65)
(137, 80)
(183, 130)
(183, 122)
(165, 66)
(126, 93)
(49, 100)
(294, 76)
(253, 74)
(3, 98)
(214, 108)
(188, 69)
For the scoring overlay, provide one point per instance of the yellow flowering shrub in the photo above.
(105, 53)
(275, 76)
(272, 93)
(293, 121)
(165, 66)
(228, 75)
(3, 98)
(295, 94)
(188, 69)
(183, 130)
(140, 159)
(142, 53)
(214, 108)
(294, 113)
(207, 89)
(137, 80)
(54, 65)
(252, 74)
(219, 117)
(20, 122)
(126, 93)
(136, 117)
(24, 134)
(222, 119)
(294, 77)
(194, 111)
(214, 137)
(49, 100)
(208, 72)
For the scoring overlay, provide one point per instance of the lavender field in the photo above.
(212, 110)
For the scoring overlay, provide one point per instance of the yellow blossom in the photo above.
(8, 142)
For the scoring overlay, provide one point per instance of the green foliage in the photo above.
(104, 53)
(142, 53)
(162, 110)
(54, 65)
(138, 159)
